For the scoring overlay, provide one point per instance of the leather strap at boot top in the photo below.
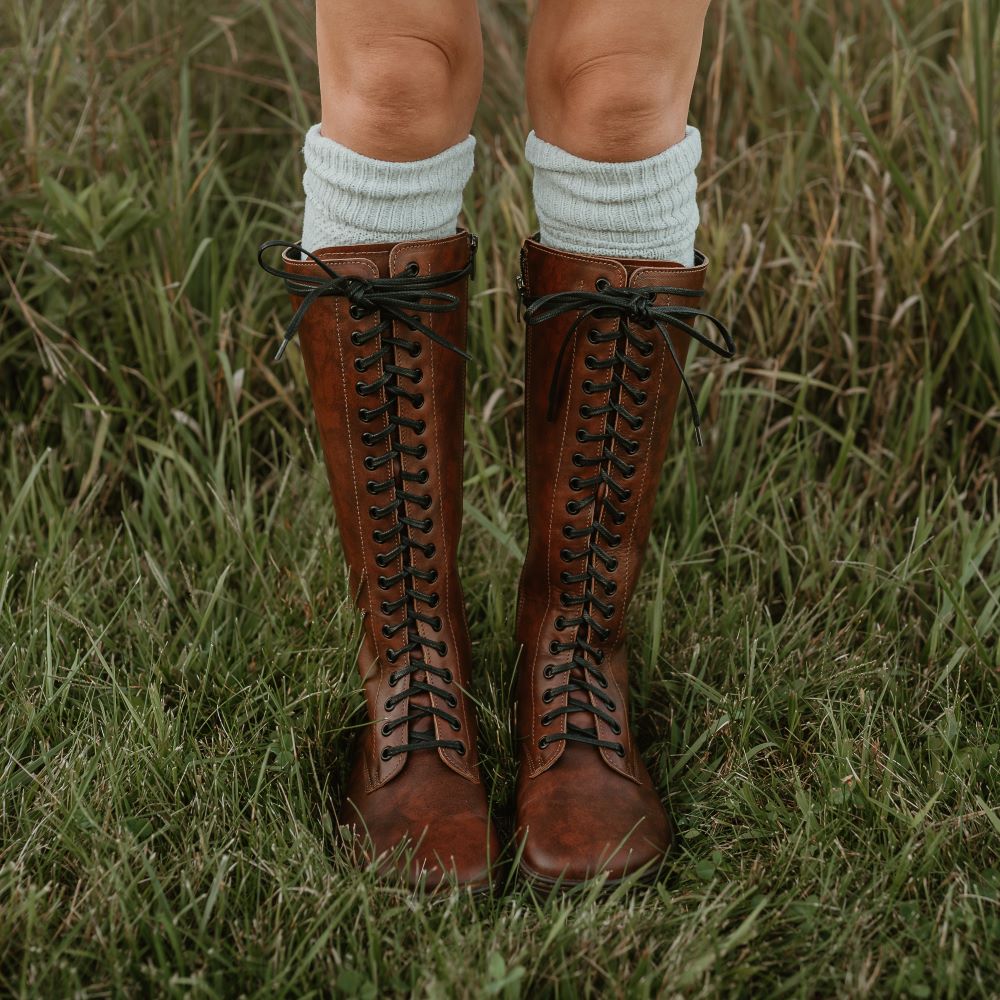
(597, 487)
(393, 295)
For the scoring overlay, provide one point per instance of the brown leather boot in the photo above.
(604, 369)
(383, 331)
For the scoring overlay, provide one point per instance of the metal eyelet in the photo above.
(602, 284)
(386, 755)
(564, 577)
(568, 531)
(431, 549)
(421, 426)
(586, 412)
(393, 679)
(357, 312)
(451, 701)
(641, 396)
(574, 483)
(383, 582)
(611, 588)
(416, 350)
(547, 696)
(644, 374)
(543, 743)
(560, 623)
(356, 338)
(581, 435)
(369, 463)
(389, 704)
(565, 555)
(418, 375)
(387, 631)
(461, 749)
(546, 720)
(456, 725)
(620, 751)
(549, 672)
(434, 601)
(447, 676)
(588, 385)
(616, 729)
(421, 451)
(418, 401)
(436, 624)
(386, 730)
(553, 646)
(612, 565)
(590, 362)
(359, 365)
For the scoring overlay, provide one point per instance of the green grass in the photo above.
(814, 640)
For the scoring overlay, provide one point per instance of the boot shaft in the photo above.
(383, 347)
(606, 345)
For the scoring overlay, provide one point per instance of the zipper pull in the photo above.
(521, 293)
(473, 247)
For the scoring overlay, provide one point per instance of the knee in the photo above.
(612, 105)
(406, 97)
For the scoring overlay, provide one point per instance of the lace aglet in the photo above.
(280, 353)
(699, 440)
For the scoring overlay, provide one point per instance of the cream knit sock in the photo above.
(353, 199)
(646, 208)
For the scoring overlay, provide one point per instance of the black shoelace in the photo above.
(398, 299)
(603, 488)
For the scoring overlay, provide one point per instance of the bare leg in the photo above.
(613, 82)
(399, 79)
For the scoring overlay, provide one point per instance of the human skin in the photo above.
(400, 79)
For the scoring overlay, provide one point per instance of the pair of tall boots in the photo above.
(382, 330)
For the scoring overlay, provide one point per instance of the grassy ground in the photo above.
(815, 640)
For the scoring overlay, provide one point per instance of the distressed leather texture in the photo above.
(583, 810)
(431, 800)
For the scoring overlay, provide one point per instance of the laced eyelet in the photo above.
(546, 719)
(418, 400)
(421, 426)
(620, 750)
(611, 707)
(641, 396)
(436, 624)
(592, 337)
(434, 601)
(386, 730)
(616, 729)
(627, 494)
(565, 555)
(553, 646)
(422, 476)
(564, 577)
(368, 438)
(386, 609)
(416, 350)
(547, 696)
(447, 676)
(610, 588)
(412, 268)
(560, 623)
(612, 565)
(431, 549)
(644, 374)
(571, 507)
(616, 539)
(386, 755)
(568, 531)
(356, 338)
(455, 725)
(619, 518)
(383, 582)
(629, 472)
(646, 349)
(369, 463)
(460, 750)
(372, 487)
(421, 451)
(639, 423)
(451, 701)
(549, 672)
(543, 743)
(602, 284)
(387, 631)
(586, 412)
(632, 447)
(371, 511)
(590, 362)
(433, 576)
(393, 679)
(359, 365)
(360, 386)
(588, 385)
(389, 704)
(418, 375)
(357, 312)
(574, 483)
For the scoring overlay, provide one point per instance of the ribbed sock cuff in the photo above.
(353, 199)
(646, 208)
